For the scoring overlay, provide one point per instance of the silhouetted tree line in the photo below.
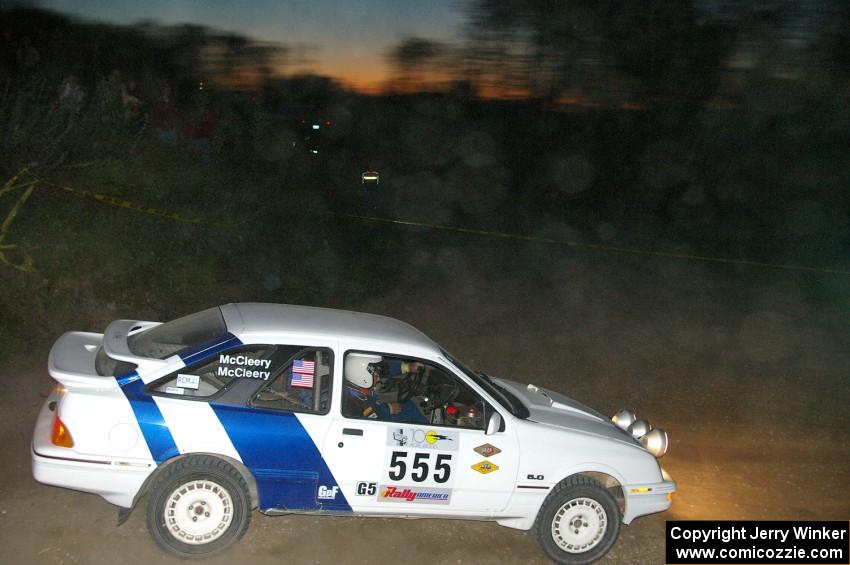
(71, 86)
(718, 123)
(715, 123)
(636, 52)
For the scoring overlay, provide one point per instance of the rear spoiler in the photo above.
(115, 343)
(72, 358)
(115, 339)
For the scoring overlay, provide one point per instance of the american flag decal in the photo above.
(302, 373)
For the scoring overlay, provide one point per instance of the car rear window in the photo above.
(212, 375)
(172, 337)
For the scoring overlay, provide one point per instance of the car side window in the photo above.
(301, 384)
(407, 390)
(257, 362)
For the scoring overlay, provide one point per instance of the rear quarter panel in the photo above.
(102, 424)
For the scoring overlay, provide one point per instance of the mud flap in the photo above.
(123, 515)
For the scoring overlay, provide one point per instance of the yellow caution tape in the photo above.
(10, 184)
(26, 265)
(126, 204)
(121, 203)
(599, 247)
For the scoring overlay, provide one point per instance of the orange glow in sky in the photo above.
(346, 41)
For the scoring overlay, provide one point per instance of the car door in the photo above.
(482, 468)
(440, 465)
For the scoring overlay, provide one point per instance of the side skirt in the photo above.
(286, 512)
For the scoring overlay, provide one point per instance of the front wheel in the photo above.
(578, 523)
(198, 506)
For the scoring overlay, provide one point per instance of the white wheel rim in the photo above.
(198, 512)
(579, 525)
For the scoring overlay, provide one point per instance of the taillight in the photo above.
(61, 436)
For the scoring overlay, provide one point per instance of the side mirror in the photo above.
(494, 424)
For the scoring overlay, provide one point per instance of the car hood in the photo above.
(549, 407)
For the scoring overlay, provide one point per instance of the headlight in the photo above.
(639, 428)
(623, 419)
(655, 442)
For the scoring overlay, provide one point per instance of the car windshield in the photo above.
(504, 397)
(173, 337)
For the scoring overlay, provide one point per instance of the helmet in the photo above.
(357, 371)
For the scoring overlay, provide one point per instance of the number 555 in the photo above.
(420, 468)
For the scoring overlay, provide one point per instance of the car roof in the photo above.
(329, 323)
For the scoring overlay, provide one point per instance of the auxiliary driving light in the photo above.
(655, 442)
(639, 428)
(623, 419)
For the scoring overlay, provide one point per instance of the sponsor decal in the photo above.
(415, 438)
(327, 493)
(242, 368)
(174, 390)
(487, 450)
(485, 467)
(365, 488)
(188, 381)
(414, 494)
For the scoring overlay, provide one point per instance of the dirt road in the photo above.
(748, 373)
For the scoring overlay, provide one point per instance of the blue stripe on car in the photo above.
(128, 378)
(274, 445)
(286, 463)
(157, 435)
(193, 354)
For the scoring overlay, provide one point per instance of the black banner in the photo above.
(694, 542)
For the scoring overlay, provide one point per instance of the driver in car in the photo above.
(376, 388)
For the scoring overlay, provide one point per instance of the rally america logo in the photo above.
(422, 439)
(415, 494)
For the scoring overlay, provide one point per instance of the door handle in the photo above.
(352, 432)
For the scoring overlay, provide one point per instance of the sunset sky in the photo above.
(347, 40)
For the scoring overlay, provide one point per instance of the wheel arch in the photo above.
(608, 482)
(124, 513)
(607, 477)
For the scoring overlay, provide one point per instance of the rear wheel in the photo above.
(578, 523)
(198, 506)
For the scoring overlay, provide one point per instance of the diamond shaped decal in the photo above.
(485, 467)
(487, 450)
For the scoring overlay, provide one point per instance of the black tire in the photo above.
(198, 506)
(592, 515)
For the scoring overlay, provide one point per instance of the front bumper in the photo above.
(649, 498)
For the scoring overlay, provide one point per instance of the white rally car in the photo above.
(296, 409)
